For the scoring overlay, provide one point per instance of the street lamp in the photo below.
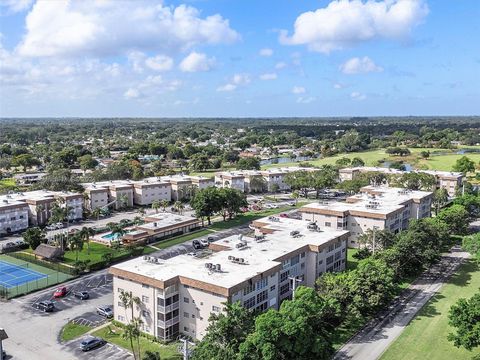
(294, 284)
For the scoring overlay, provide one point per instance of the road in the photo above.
(372, 341)
(35, 335)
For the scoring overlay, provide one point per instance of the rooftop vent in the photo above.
(236, 260)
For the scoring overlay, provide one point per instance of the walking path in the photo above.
(372, 341)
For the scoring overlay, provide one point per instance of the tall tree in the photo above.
(464, 316)
(206, 202)
(225, 333)
(34, 236)
(464, 165)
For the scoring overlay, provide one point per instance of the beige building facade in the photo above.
(178, 295)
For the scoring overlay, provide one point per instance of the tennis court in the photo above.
(18, 277)
(12, 275)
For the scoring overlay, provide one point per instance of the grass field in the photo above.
(96, 252)
(72, 331)
(426, 336)
(371, 158)
(167, 352)
(54, 277)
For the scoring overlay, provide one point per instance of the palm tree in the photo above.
(85, 233)
(179, 206)
(122, 200)
(156, 205)
(116, 229)
(132, 330)
(76, 243)
(295, 195)
(96, 213)
(164, 204)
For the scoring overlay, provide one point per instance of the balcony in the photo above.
(168, 323)
(168, 308)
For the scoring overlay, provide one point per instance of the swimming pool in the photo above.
(111, 236)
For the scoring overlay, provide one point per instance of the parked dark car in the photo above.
(105, 311)
(91, 343)
(45, 306)
(82, 295)
(197, 245)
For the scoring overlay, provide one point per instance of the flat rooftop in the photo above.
(165, 219)
(21, 197)
(396, 171)
(259, 257)
(385, 200)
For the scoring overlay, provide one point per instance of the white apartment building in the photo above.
(150, 190)
(447, 180)
(19, 210)
(374, 208)
(13, 215)
(178, 294)
(240, 179)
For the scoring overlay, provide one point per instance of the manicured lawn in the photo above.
(96, 252)
(352, 263)
(371, 158)
(72, 331)
(163, 244)
(248, 217)
(426, 336)
(167, 352)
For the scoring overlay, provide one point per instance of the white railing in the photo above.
(167, 323)
(168, 308)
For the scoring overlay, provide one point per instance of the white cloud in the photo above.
(280, 65)
(305, 100)
(338, 86)
(266, 52)
(131, 94)
(268, 76)
(298, 90)
(227, 87)
(15, 6)
(236, 81)
(90, 27)
(159, 63)
(359, 66)
(195, 62)
(358, 96)
(344, 23)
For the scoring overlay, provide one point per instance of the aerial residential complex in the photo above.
(241, 179)
(374, 208)
(179, 294)
(19, 210)
(447, 180)
(126, 193)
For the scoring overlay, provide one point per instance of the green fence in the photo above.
(54, 276)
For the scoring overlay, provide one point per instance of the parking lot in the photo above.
(107, 351)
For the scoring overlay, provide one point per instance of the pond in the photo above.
(284, 160)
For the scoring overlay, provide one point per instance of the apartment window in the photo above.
(284, 288)
(185, 314)
(248, 289)
(261, 284)
(145, 299)
(216, 308)
(120, 304)
(284, 276)
(294, 260)
(272, 288)
(186, 300)
(302, 255)
(144, 313)
(331, 248)
(248, 304)
(185, 329)
(120, 318)
(262, 307)
(329, 260)
(145, 286)
(262, 296)
(302, 266)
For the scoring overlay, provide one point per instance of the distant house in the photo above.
(48, 252)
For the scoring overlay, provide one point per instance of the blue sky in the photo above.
(227, 58)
